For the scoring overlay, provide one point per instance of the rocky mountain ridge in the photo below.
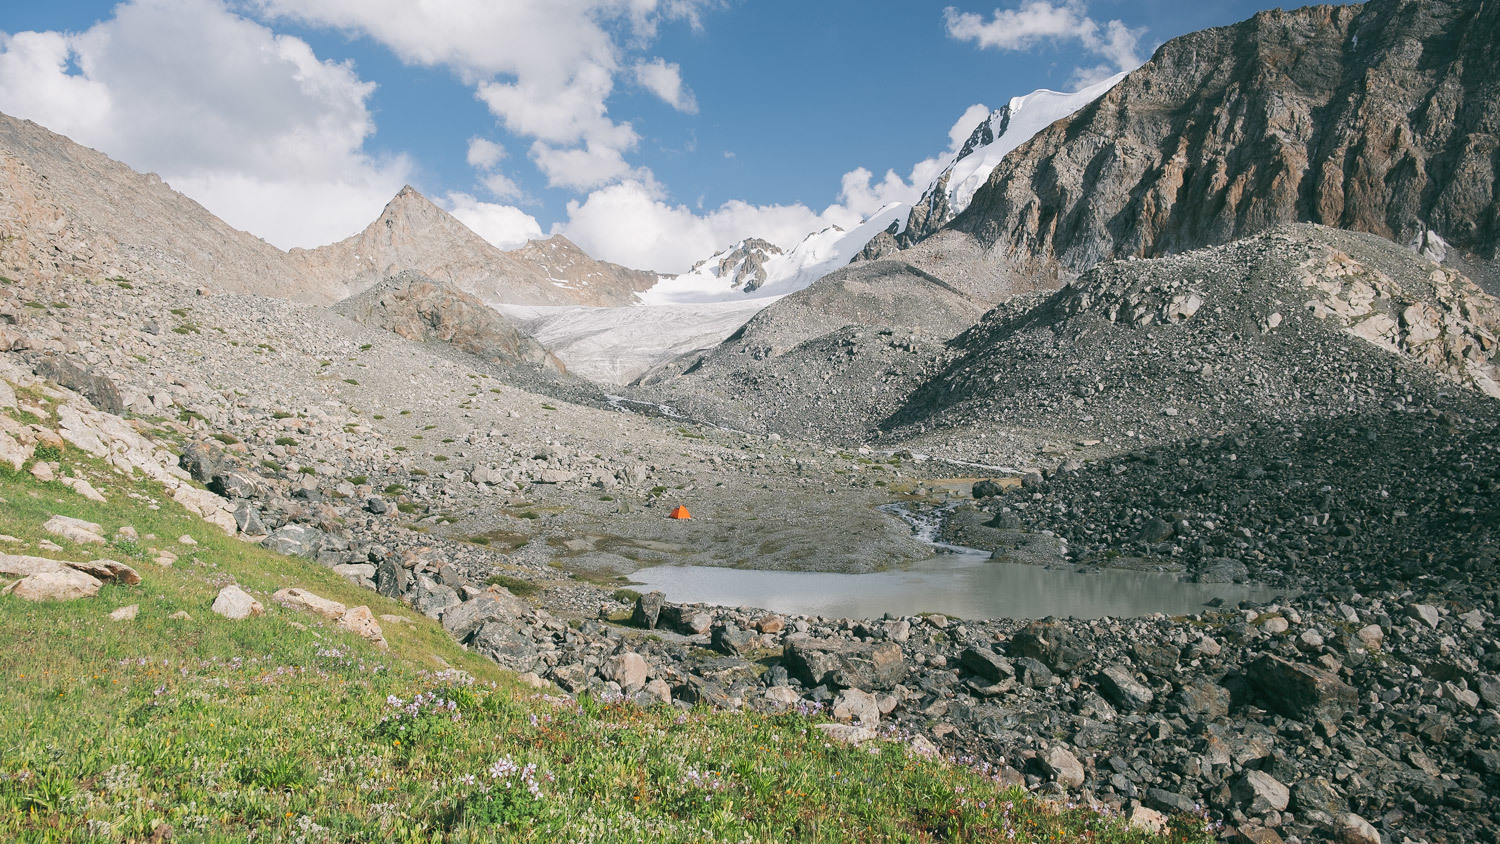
(413, 233)
(61, 211)
(1374, 117)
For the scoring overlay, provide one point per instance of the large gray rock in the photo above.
(61, 585)
(1257, 792)
(1300, 691)
(82, 379)
(1123, 690)
(648, 610)
(732, 639)
(1222, 570)
(435, 600)
(392, 579)
(508, 647)
(1052, 644)
(295, 541)
(628, 669)
(236, 604)
(845, 665)
(496, 605)
(856, 705)
(1063, 766)
(987, 664)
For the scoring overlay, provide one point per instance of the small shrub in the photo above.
(227, 439)
(351, 381)
(394, 489)
(47, 453)
(517, 586)
(307, 470)
(441, 458)
(365, 347)
(358, 480)
(530, 514)
(286, 441)
(625, 596)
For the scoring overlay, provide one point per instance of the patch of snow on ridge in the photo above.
(819, 254)
(1014, 124)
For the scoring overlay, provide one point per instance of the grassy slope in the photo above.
(273, 727)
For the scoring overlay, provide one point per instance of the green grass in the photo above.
(516, 585)
(280, 727)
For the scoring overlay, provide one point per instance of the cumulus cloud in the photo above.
(505, 226)
(484, 154)
(545, 69)
(665, 80)
(249, 123)
(1038, 21)
(632, 223)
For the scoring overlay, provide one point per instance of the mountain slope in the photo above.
(1378, 118)
(414, 234)
(1300, 322)
(65, 207)
(1005, 129)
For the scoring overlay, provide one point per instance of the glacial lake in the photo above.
(967, 584)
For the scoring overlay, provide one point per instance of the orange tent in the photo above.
(680, 513)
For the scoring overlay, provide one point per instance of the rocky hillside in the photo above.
(1295, 323)
(1378, 118)
(853, 340)
(61, 211)
(414, 234)
(415, 307)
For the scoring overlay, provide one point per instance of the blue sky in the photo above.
(652, 132)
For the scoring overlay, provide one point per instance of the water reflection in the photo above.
(968, 585)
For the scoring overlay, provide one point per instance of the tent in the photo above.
(680, 513)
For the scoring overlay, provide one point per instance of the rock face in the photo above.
(414, 234)
(415, 307)
(744, 264)
(1375, 117)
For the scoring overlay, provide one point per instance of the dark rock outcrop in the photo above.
(1378, 118)
(415, 307)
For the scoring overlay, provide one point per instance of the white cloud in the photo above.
(629, 223)
(665, 80)
(504, 226)
(501, 185)
(251, 124)
(589, 166)
(544, 68)
(484, 154)
(1037, 21)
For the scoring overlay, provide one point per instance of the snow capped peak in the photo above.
(757, 269)
(1002, 131)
